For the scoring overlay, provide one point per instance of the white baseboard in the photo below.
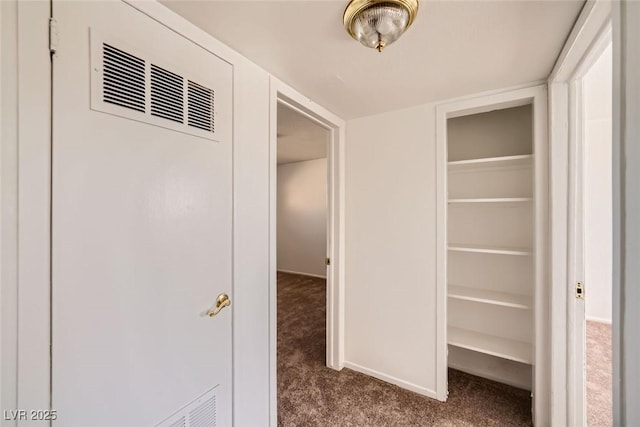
(599, 320)
(392, 380)
(302, 274)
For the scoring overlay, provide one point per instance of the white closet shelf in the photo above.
(493, 200)
(485, 249)
(485, 296)
(520, 160)
(488, 344)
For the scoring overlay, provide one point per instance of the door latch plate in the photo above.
(579, 290)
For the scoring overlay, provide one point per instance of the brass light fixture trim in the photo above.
(356, 7)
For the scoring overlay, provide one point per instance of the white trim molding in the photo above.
(592, 22)
(9, 205)
(537, 96)
(25, 227)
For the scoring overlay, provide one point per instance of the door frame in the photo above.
(588, 39)
(281, 93)
(24, 210)
(576, 308)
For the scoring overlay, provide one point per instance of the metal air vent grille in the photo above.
(201, 107)
(167, 94)
(204, 415)
(123, 79)
(201, 412)
(161, 90)
(181, 422)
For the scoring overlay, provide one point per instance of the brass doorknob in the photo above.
(221, 302)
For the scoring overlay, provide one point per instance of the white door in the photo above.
(141, 223)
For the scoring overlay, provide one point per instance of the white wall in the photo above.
(251, 335)
(390, 286)
(302, 217)
(598, 189)
(505, 132)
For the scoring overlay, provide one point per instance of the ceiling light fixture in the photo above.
(378, 23)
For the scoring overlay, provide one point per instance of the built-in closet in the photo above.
(490, 239)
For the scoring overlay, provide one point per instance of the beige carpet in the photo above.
(599, 367)
(310, 394)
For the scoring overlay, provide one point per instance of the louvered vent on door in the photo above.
(123, 79)
(204, 415)
(201, 107)
(129, 83)
(181, 422)
(201, 412)
(167, 99)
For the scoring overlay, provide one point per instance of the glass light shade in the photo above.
(378, 23)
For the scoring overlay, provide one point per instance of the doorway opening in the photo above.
(302, 214)
(303, 256)
(594, 252)
(491, 234)
(284, 96)
(490, 241)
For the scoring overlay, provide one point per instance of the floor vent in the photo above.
(199, 413)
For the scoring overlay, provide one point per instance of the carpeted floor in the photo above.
(599, 371)
(310, 394)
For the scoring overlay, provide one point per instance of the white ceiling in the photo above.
(454, 48)
(299, 138)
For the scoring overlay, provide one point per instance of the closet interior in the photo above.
(490, 238)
